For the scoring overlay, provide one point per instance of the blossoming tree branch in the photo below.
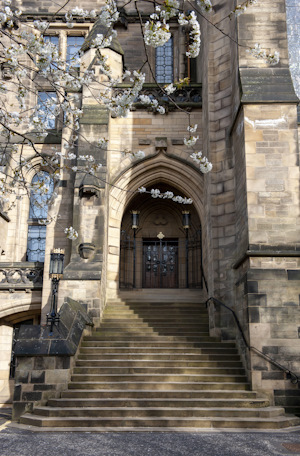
(27, 54)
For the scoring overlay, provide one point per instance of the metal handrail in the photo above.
(289, 374)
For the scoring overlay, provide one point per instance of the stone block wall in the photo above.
(37, 379)
(268, 293)
(44, 360)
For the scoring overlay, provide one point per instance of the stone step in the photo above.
(168, 377)
(164, 296)
(160, 356)
(149, 412)
(157, 305)
(160, 422)
(154, 366)
(149, 338)
(158, 370)
(155, 343)
(142, 363)
(151, 319)
(169, 395)
(153, 323)
(140, 326)
(156, 402)
(140, 348)
(159, 385)
(162, 316)
(149, 332)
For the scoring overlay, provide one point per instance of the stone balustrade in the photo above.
(21, 275)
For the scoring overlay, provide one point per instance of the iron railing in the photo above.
(289, 374)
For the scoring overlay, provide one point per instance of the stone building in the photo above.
(242, 242)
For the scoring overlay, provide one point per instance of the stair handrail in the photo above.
(289, 374)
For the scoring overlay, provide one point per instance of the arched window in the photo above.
(164, 62)
(40, 194)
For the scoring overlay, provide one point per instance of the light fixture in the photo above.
(186, 216)
(56, 263)
(135, 219)
(55, 273)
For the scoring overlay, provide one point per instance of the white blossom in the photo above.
(168, 195)
(191, 141)
(155, 193)
(161, 110)
(240, 9)
(192, 129)
(102, 143)
(71, 233)
(205, 5)
(140, 154)
(156, 33)
(41, 26)
(170, 88)
(204, 165)
(257, 52)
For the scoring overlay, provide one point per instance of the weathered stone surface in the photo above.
(267, 85)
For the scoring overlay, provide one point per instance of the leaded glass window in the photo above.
(293, 31)
(36, 243)
(46, 108)
(74, 44)
(41, 192)
(164, 62)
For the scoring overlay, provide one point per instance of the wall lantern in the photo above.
(57, 257)
(135, 219)
(55, 273)
(186, 216)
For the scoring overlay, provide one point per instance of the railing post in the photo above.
(187, 256)
(134, 256)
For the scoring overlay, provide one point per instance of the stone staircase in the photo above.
(153, 366)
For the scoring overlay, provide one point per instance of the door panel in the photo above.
(160, 263)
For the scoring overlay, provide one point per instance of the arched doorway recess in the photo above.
(161, 252)
(159, 172)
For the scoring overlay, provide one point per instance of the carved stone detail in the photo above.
(86, 250)
(20, 277)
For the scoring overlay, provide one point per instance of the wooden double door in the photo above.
(160, 263)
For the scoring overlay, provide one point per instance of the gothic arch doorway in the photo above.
(160, 252)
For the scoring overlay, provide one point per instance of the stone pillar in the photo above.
(83, 275)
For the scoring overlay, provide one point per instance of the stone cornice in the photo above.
(272, 253)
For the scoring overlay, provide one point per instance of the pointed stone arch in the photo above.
(161, 169)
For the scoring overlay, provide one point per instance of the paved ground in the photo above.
(20, 442)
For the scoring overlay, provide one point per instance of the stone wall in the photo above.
(44, 360)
